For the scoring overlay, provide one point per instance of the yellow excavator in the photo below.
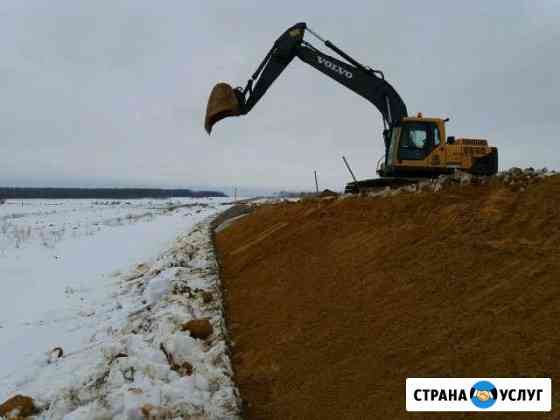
(415, 147)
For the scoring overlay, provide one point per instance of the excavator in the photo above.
(416, 147)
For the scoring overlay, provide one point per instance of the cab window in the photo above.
(437, 138)
(417, 140)
(414, 140)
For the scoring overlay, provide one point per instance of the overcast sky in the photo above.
(113, 92)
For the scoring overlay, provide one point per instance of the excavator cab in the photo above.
(416, 147)
(411, 142)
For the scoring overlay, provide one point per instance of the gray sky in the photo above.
(113, 92)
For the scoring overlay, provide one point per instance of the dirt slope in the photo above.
(332, 304)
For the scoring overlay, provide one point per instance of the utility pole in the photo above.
(316, 183)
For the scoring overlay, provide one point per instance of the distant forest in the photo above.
(110, 193)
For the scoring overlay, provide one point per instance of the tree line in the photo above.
(109, 193)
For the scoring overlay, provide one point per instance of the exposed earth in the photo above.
(333, 303)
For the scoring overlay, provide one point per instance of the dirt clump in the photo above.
(198, 328)
(332, 304)
(207, 297)
(17, 407)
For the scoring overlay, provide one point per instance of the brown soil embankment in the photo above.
(332, 304)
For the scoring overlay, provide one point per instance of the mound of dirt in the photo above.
(332, 304)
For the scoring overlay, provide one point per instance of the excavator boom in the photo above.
(224, 101)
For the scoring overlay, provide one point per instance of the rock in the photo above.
(142, 268)
(151, 412)
(155, 272)
(198, 328)
(460, 177)
(465, 178)
(516, 171)
(119, 356)
(55, 354)
(184, 369)
(207, 297)
(181, 288)
(443, 181)
(328, 193)
(19, 406)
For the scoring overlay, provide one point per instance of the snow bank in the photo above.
(145, 365)
(136, 374)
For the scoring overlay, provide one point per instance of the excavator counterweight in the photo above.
(222, 103)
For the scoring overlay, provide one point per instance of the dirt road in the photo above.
(332, 304)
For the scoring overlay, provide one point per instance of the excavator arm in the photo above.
(366, 82)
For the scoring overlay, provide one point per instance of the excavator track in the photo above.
(376, 184)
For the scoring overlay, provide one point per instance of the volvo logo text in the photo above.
(334, 67)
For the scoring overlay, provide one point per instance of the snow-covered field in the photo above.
(111, 283)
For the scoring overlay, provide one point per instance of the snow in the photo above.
(159, 286)
(90, 277)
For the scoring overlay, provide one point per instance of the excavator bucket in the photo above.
(222, 103)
